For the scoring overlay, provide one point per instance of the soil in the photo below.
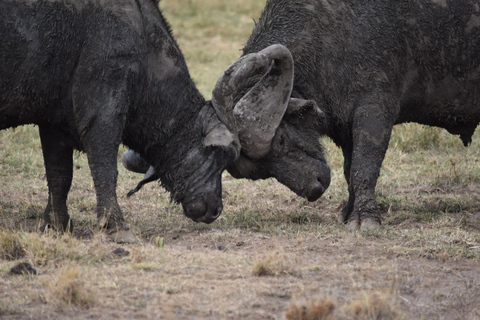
(209, 274)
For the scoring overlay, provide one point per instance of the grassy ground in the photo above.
(271, 255)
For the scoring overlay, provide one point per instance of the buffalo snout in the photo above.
(316, 191)
(319, 186)
(203, 211)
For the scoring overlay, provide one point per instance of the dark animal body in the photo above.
(93, 74)
(96, 73)
(372, 64)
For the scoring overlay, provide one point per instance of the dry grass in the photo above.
(374, 306)
(70, 289)
(422, 265)
(276, 263)
(10, 246)
(320, 309)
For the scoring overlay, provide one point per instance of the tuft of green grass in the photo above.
(24, 161)
(411, 137)
(211, 34)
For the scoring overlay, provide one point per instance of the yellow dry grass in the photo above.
(271, 255)
(69, 288)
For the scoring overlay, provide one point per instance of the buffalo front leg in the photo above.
(102, 163)
(58, 158)
(101, 95)
(100, 113)
(371, 132)
(101, 144)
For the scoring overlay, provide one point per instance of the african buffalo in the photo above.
(96, 73)
(294, 155)
(372, 64)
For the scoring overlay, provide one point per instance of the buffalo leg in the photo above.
(370, 135)
(101, 144)
(102, 160)
(58, 157)
(100, 113)
(101, 98)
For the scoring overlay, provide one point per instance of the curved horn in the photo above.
(132, 161)
(256, 116)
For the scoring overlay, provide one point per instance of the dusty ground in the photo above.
(271, 252)
(209, 275)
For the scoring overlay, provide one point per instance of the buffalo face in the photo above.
(201, 190)
(285, 147)
(201, 198)
(195, 166)
(296, 157)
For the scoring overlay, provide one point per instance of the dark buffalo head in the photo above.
(190, 163)
(296, 157)
(290, 152)
(259, 128)
(194, 179)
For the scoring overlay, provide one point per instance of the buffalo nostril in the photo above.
(217, 212)
(316, 192)
(210, 217)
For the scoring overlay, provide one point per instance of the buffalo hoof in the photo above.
(353, 225)
(46, 228)
(122, 236)
(119, 233)
(370, 224)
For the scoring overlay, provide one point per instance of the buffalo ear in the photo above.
(218, 135)
(301, 107)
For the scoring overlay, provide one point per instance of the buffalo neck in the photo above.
(163, 126)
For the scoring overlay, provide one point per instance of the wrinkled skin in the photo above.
(295, 156)
(285, 146)
(295, 159)
(371, 65)
(94, 74)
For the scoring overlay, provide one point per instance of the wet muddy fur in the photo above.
(371, 65)
(94, 74)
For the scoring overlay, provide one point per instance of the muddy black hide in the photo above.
(96, 73)
(369, 65)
